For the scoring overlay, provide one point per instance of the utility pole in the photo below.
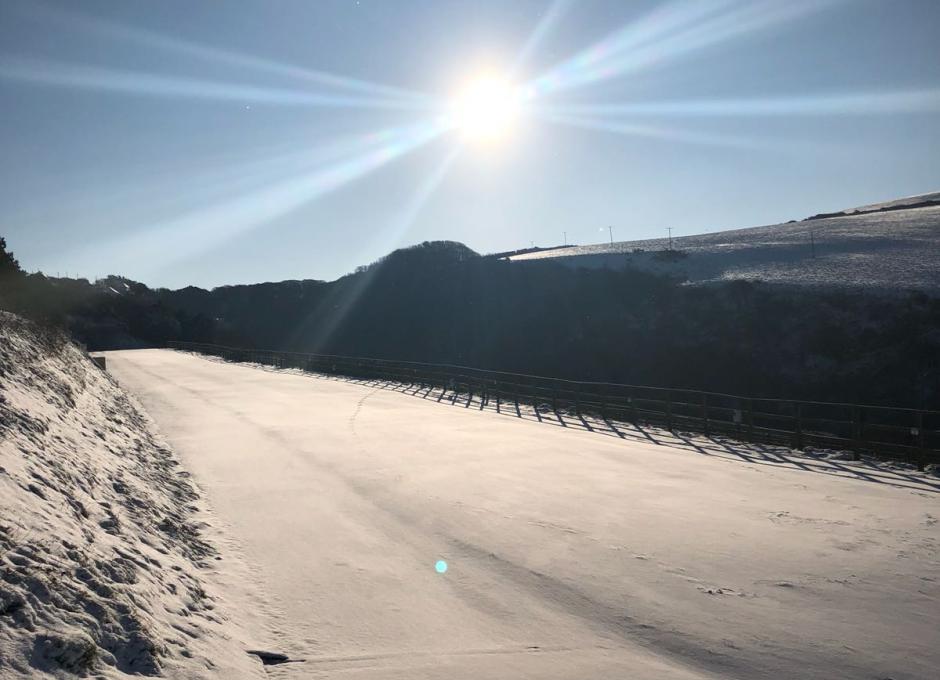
(669, 229)
(565, 239)
(611, 230)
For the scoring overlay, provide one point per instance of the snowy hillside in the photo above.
(918, 201)
(103, 566)
(885, 249)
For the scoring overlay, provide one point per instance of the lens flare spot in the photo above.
(440, 566)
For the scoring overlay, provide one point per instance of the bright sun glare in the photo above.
(486, 108)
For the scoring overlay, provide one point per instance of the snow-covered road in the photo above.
(569, 554)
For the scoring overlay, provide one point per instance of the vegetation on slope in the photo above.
(440, 302)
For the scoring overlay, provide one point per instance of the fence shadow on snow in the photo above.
(859, 441)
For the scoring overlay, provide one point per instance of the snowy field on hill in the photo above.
(105, 565)
(898, 203)
(390, 534)
(898, 249)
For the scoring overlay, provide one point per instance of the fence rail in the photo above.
(885, 432)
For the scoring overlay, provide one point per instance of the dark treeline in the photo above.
(440, 302)
(113, 313)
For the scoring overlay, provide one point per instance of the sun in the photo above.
(486, 108)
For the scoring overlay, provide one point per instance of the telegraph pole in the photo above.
(566, 238)
(611, 230)
(669, 229)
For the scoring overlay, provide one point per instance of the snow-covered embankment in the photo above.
(103, 566)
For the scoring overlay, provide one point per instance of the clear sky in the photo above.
(182, 142)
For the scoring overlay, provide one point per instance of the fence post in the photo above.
(669, 410)
(799, 426)
(705, 414)
(443, 387)
(856, 432)
(750, 419)
(496, 389)
(921, 443)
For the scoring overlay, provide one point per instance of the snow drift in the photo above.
(103, 566)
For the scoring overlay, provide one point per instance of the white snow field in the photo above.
(105, 565)
(895, 250)
(569, 554)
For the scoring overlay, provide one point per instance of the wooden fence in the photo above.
(886, 432)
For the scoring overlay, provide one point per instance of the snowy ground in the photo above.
(895, 250)
(105, 564)
(571, 553)
(898, 203)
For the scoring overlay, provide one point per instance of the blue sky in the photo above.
(205, 143)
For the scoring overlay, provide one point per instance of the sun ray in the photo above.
(423, 193)
(208, 227)
(579, 68)
(549, 19)
(162, 194)
(667, 33)
(656, 132)
(391, 239)
(851, 103)
(176, 45)
(98, 78)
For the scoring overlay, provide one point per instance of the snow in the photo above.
(105, 563)
(570, 553)
(898, 249)
(897, 203)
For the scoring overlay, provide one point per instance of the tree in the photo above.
(9, 267)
